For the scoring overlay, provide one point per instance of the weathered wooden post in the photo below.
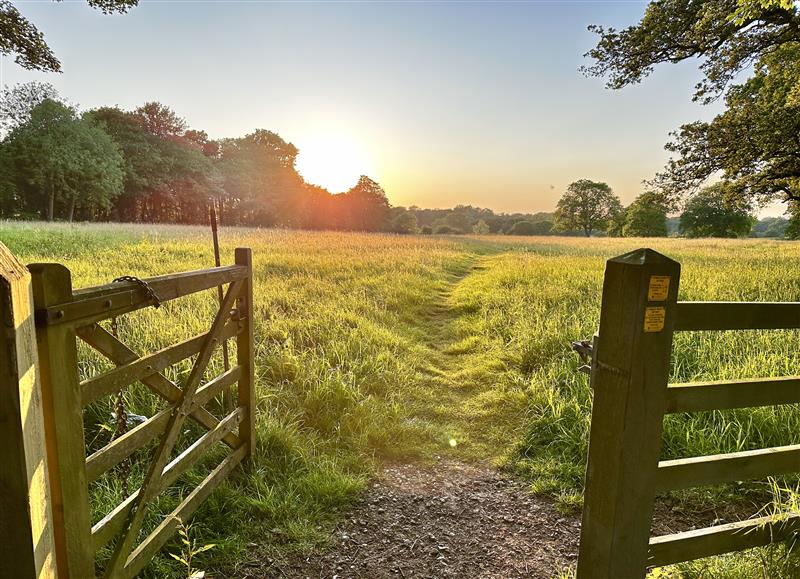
(63, 420)
(26, 523)
(630, 373)
(245, 352)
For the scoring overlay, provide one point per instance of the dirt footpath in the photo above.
(446, 520)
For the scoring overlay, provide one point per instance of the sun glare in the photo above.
(332, 161)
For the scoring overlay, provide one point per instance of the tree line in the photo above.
(592, 207)
(148, 165)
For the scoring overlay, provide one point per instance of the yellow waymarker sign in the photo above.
(658, 289)
(654, 319)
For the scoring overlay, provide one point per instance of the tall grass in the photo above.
(336, 346)
(374, 348)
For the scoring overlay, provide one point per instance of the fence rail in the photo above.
(630, 370)
(63, 315)
(703, 316)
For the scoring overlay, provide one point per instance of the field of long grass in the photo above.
(374, 348)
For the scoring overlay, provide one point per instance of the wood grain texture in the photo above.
(630, 372)
(90, 305)
(147, 366)
(63, 416)
(701, 316)
(245, 352)
(108, 527)
(27, 546)
(668, 549)
(152, 484)
(727, 394)
(113, 349)
(697, 471)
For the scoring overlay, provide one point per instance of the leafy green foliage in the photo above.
(725, 35)
(586, 206)
(63, 159)
(646, 217)
(753, 142)
(481, 228)
(18, 36)
(523, 228)
(465, 217)
(170, 173)
(711, 214)
(190, 549)
(793, 228)
(403, 221)
(366, 206)
(774, 227)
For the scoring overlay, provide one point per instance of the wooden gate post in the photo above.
(63, 416)
(245, 353)
(26, 525)
(630, 372)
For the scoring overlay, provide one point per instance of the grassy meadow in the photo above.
(374, 348)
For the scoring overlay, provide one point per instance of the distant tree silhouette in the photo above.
(523, 228)
(170, 172)
(402, 221)
(17, 101)
(365, 205)
(646, 217)
(586, 206)
(447, 230)
(260, 181)
(793, 227)
(710, 214)
(481, 228)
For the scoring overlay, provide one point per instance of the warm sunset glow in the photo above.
(332, 161)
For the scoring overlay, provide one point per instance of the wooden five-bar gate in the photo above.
(47, 531)
(630, 372)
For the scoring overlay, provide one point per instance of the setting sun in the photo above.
(334, 162)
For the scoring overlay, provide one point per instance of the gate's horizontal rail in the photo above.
(697, 316)
(720, 539)
(110, 525)
(112, 454)
(89, 305)
(142, 555)
(722, 395)
(110, 346)
(720, 468)
(121, 448)
(105, 384)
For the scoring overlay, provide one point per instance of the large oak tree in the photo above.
(586, 206)
(754, 144)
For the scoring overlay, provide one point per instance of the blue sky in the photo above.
(442, 102)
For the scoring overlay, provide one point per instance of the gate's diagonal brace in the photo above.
(153, 479)
(119, 353)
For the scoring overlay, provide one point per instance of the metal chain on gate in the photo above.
(121, 415)
(144, 285)
(120, 412)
